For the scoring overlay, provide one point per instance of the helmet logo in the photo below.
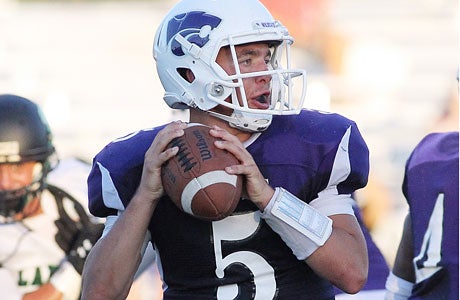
(195, 26)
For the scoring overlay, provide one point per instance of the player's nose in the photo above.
(265, 78)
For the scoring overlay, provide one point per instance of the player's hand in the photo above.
(151, 185)
(66, 234)
(256, 188)
(85, 240)
(76, 236)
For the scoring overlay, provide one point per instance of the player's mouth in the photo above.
(261, 101)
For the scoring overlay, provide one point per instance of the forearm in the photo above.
(114, 259)
(343, 259)
(10, 290)
(402, 266)
(333, 246)
(65, 283)
(401, 279)
(46, 291)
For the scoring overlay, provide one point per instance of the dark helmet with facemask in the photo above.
(24, 136)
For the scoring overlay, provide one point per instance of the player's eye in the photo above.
(245, 62)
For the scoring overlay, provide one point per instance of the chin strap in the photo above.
(246, 121)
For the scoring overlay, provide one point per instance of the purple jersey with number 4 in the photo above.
(240, 257)
(431, 189)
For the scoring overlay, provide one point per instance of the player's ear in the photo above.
(189, 75)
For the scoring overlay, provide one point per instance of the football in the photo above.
(195, 178)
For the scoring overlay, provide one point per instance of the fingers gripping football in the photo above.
(256, 187)
(155, 157)
(195, 178)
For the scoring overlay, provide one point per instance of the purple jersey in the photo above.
(240, 256)
(431, 189)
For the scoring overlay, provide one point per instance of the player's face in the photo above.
(16, 175)
(254, 57)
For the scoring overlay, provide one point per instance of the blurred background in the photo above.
(389, 65)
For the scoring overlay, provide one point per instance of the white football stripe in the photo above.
(201, 182)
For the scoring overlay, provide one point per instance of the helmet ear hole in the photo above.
(187, 74)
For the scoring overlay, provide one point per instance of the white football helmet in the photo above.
(191, 36)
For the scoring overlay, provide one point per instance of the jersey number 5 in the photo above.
(237, 228)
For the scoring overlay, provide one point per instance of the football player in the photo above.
(45, 233)
(293, 234)
(426, 263)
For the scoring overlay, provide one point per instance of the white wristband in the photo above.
(300, 226)
(397, 288)
(67, 280)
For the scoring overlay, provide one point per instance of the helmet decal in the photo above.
(195, 26)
